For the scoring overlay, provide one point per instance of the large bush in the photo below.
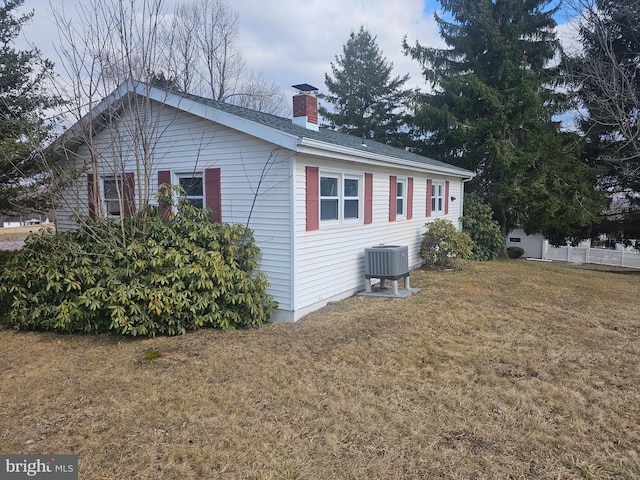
(443, 245)
(483, 229)
(146, 276)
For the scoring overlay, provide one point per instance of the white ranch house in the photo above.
(322, 196)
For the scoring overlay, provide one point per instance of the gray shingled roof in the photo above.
(323, 135)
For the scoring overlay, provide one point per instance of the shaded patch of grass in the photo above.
(151, 355)
(500, 370)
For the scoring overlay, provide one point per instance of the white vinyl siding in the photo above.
(191, 144)
(241, 159)
(329, 263)
(305, 268)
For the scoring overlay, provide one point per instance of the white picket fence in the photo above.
(601, 256)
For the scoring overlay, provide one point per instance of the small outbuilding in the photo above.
(533, 245)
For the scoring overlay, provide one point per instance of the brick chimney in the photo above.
(305, 107)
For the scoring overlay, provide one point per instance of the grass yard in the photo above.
(13, 234)
(504, 370)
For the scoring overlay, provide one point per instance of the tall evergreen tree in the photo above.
(492, 109)
(24, 179)
(366, 100)
(608, 78)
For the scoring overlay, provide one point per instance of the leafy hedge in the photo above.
(443, 245)
(148, 276)
(515, 252)
(484, 231)
(5, 257)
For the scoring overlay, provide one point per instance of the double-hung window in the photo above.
(340, 197)
(351, 199)
(401, 198)
(192, 189)
(112, 192)
(437, 197)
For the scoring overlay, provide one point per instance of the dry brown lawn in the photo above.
(20, 233)
(504, 370)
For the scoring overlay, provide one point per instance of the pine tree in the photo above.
(608, 78)
(366, 101)
(24, 179)
(492, 110)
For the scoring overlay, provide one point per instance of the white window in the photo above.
(340, 197)
(401, 198)
(112, 195)
(351, 200)
(192, 188)
(329, 198)
(437, 197)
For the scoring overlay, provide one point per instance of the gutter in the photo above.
(320, 148)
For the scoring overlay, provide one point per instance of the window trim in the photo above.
(118, 179)
(176, 181)
(404, 181)
(438, 193)
(331, 198)
(341, 176)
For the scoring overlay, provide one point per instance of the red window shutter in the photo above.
(446, 197)
(368, 198)
(164, 182)
(393, 196)
(213, 193)
(91, 196)
(409, 198)
(129, 194)
(312, 200)
(429, 193)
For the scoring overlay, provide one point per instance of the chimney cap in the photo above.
(305, 87)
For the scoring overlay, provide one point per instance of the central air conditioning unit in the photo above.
(386, 262)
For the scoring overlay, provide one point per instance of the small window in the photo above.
(111, 186)
(192, 189)
(351, 198)
(329, 199)
(437, 197)
(401, 198)
(340, 197)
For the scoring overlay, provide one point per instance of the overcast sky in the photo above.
(295, 41)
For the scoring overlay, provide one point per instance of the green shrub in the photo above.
(443, 244)
(6, 256)
(148, 276)
(483, 229)
(515, 252)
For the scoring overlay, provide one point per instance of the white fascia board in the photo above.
(229, 120)
(323, 149)
(78, 128)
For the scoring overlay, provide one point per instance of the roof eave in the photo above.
(77, 132)
(329, 150)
